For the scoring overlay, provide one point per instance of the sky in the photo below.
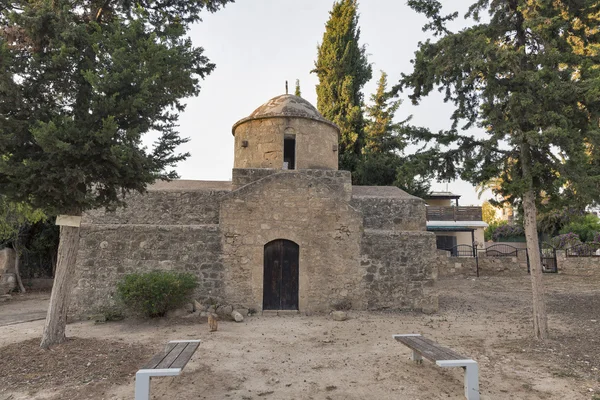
(258, 45)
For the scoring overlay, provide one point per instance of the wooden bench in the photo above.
(169, 362)
(443, 357)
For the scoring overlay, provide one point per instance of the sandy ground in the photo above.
(314, 357)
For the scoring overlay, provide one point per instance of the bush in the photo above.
(154, 293)
(509, 233)
(565, 241)
(586, 227)
(488, 233)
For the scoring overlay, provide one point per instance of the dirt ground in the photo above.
(314, 357)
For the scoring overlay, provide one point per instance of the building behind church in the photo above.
(288, 232)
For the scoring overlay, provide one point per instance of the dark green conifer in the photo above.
(343, 70)
(528, 78)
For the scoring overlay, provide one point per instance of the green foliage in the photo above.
(586, 227)
(14, 216)
(488, 212)
(154, 293)
(343, 70)
(508, 233)
(382, 162)
(79, 87)
(529, 77)
(297, 91)
(488, 233)
(565, 241)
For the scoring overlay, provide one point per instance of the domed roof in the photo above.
(286, 105)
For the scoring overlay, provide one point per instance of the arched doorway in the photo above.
(280, 286)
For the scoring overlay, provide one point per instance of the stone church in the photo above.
(288, 232)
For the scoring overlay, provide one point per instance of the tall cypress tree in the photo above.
(343, 70)
(80, 84)
(530, 79)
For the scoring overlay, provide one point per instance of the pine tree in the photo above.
(343, 70)
(382, 162)
(79, 87)
(530, 78)
(298, 92)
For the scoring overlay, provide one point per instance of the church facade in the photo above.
(288, 232)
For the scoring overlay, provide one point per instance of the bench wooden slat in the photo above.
(185, 355)
(429, 349)
(439, 352)
(159, 357)
(172, 356)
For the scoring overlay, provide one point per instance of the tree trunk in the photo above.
(540, 318)
(56, 319)
(17, 272)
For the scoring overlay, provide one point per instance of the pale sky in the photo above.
(259, 44)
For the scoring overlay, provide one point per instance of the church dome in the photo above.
(286, 105)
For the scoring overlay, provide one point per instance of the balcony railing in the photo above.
(454, 213)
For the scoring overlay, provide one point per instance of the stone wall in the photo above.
(587, 266)
(162, 207)
(389, 208)
(316, 143)
(401, 270)
(8, 278)
(108, 252)
(303, 208)
(336, 180)
(488, 266)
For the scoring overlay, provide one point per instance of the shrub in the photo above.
(154, 293)
(508, 233)
(586, 227)
(489, 231)
(564, 241)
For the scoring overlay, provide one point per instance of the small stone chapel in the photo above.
(288, 232)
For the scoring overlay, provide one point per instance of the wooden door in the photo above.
(280, 287)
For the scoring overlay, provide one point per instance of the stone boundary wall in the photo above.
(587, 266)
(488, 266)
(401, 270)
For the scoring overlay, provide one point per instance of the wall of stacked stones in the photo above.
(389, 213)
(259, 143)
(586, 266)
(309, 209)
(163, 230)
(401, 270)
(488, 266)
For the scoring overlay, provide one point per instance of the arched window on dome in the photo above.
(289, 151)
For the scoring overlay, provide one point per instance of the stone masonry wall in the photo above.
(401, 270)
(108, 252)
(315, 143)
(163, 208)
(488, 266)
(398, 214)
(302, 208)
(336, 180)
(586, 266)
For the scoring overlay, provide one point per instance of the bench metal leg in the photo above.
(142, 386)
(471, 376)
(142, 380)
(416, 357)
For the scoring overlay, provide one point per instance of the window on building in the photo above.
(289, 153)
